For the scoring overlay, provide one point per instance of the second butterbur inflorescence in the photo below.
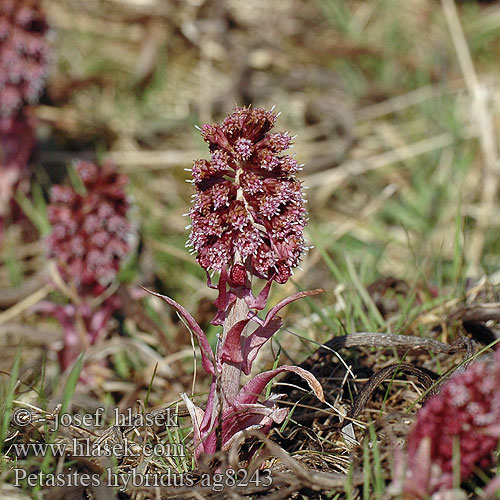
(91, 234)
(90, 239)
(456, 431)
(24, 54)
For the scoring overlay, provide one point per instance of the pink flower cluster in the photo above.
(91, 236)
(24, 53)
(248, 213)
(464, 416)
(90, 231)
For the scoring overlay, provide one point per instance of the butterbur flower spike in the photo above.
(90, 239)
(462, 419)
(248, 219)
(248, 215)
(24, 54)
(91, 235)
(24, 63)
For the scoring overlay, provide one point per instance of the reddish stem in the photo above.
(231, 373)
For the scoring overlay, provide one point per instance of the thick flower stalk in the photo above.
(248, 219)
(91, 236)
(462, 421)
(24, 63)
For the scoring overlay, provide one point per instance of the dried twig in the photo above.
(368, 339)
(425, 377)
